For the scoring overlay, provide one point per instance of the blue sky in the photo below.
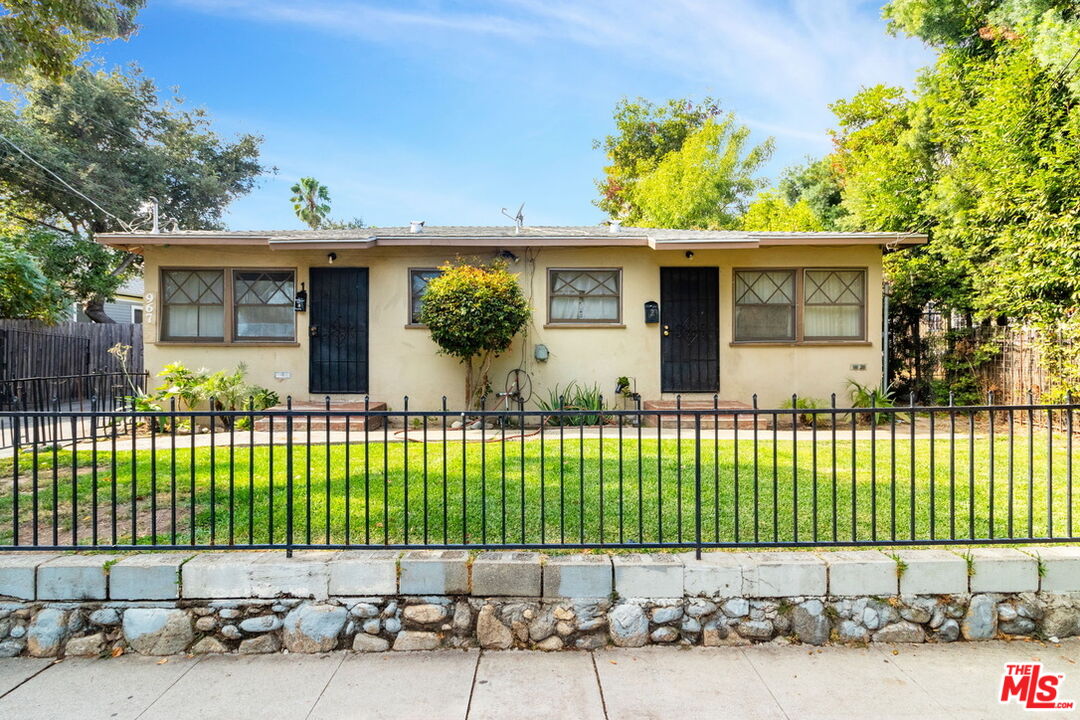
(447, 111)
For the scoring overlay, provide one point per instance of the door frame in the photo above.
(312, 297)
(717, 311)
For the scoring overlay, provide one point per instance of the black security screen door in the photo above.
(339, 330)
(690, 326)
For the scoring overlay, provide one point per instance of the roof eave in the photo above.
(897, 240)
(706, 245)
(134, 242)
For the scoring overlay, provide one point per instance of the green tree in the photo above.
(885, 160)
(771, 211)
(46, 36)
(76, 265)
(706, 183)
(1049, 28)
(817, 183)
(644, 134)
(473, 313)
(25, 291)
(311, 202)
(982, 154)
(107, 136)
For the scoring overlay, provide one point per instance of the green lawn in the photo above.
(583, 492)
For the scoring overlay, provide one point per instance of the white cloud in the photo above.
(540, 77)
(359, 19)
(784, 60)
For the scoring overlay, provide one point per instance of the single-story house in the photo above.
(126, 305)
(695, 313)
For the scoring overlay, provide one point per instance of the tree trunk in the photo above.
(482, 376)
(95, 310)
(468, 384)
(95, 306)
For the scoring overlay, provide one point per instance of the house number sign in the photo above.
(148, 308)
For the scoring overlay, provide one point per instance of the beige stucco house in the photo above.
(695, 313)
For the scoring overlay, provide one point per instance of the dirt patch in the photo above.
(144, 521)
(45, 474)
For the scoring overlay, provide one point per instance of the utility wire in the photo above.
(31, 178)
(29, 157)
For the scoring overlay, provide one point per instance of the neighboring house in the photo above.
(125, 307)
(678, 311)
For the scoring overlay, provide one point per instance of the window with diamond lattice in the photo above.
(194, 305)
(834, 304)
(584, 295)
(765, 305)
(263, 305)
(418, 282)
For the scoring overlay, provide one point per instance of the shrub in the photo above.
(188, 386)
(864, 396)
(256, 398)
(473, 313)
(807, 403)
(227, 391)
(574, 397)
(221, 390)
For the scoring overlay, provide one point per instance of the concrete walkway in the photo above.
(962, 680)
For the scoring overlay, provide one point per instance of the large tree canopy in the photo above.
(705, 184)
(644, 134)
(83, 155)
(25, 291)
(1050, 28)
(817, 183)
(681, 164)
(46, 36)
(982, 154)
(772, 211)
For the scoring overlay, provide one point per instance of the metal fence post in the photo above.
(15, 442)
(288, 477)
(697, 482)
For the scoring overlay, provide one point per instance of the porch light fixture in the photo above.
(300, 299)
(507, 256)
(689, 254)
(331, 257)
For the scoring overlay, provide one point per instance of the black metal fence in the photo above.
(52, 396)
(561, 479)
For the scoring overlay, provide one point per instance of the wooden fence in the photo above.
(1015, 373)
(1020, 370)
(31, 349)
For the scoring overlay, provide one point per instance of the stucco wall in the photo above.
(403, 360)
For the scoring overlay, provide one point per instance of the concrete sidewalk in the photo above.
(961, 680)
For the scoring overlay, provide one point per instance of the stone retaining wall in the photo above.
(372, 601)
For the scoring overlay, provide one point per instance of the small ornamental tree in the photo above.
(473, 313)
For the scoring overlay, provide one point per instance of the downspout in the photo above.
(886, 292)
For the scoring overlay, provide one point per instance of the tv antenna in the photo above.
(519, 219)
(149, 210)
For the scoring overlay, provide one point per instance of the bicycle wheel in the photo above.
(518, 386)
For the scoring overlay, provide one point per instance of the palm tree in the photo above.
(311, 201)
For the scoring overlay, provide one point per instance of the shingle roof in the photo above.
(510, 234)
